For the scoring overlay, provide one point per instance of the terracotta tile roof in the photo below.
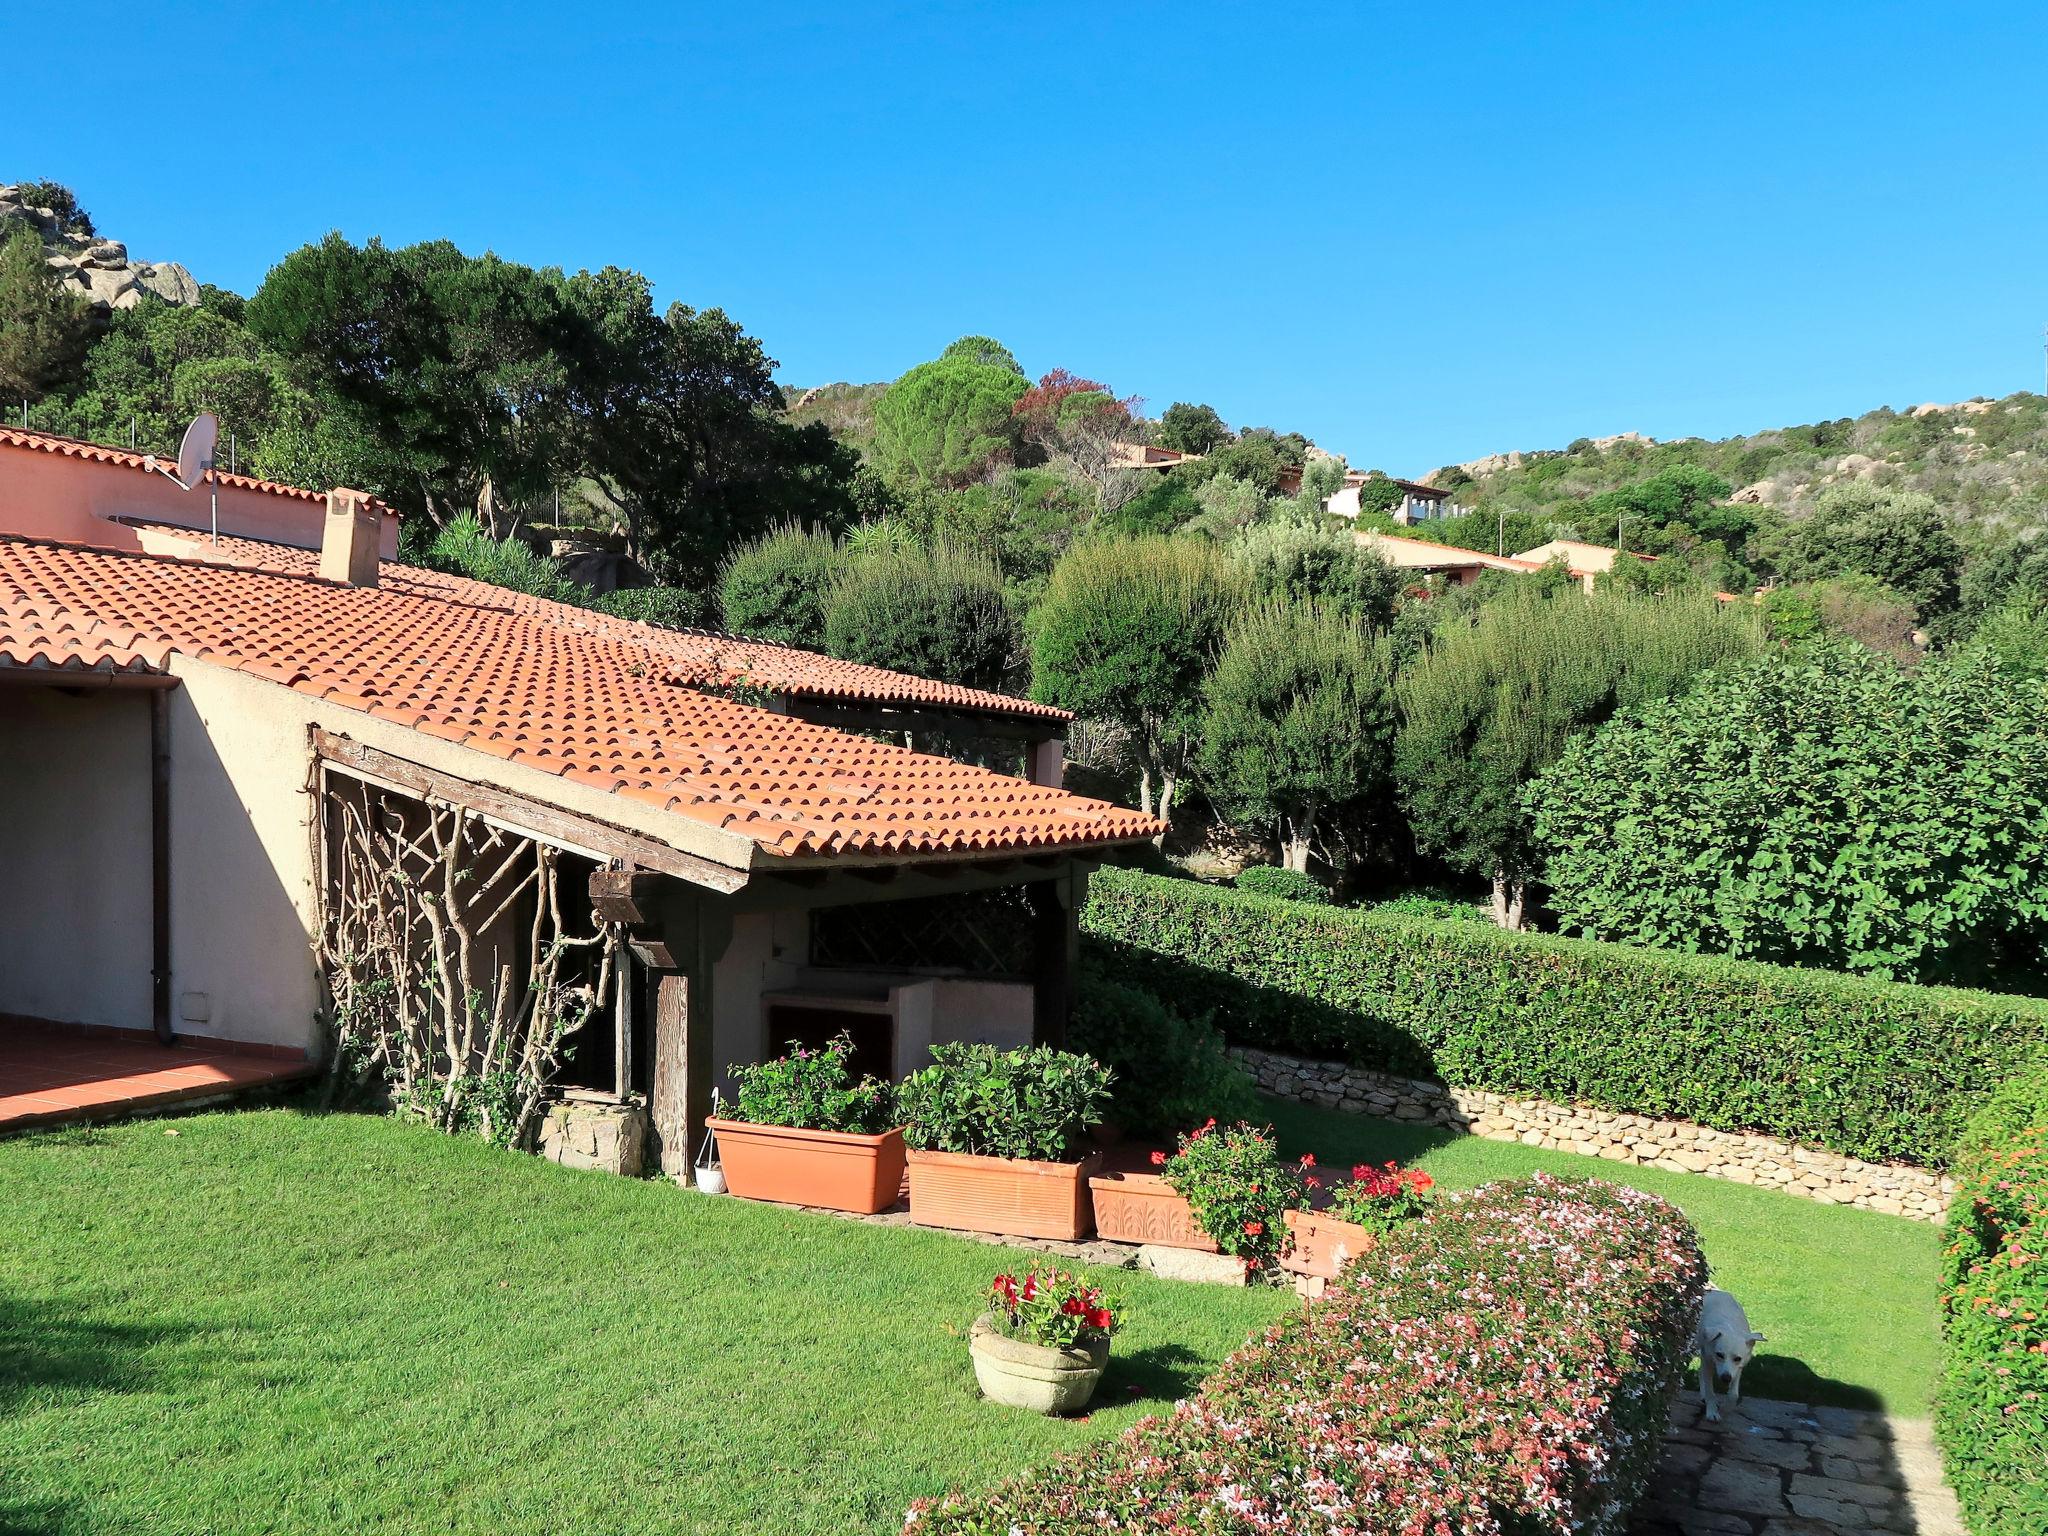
(100, 453)
(711, 659)
(595, 707)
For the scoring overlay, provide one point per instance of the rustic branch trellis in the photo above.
(456, 980)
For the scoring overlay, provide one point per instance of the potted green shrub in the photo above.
(804, 1133)
(995, 1139)
(1239, 1190)
(1042, 1341)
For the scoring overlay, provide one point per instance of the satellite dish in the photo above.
(195, 453)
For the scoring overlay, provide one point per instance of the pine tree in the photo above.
(44, 331)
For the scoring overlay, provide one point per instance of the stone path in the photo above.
(1786, 1469)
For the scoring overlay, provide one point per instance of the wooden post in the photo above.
(696, 931)
(1055, 955)
(669, 1106)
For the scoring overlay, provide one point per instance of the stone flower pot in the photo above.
(1014, 1197)
(1025, 1375)
(838, 1170)
(1135, 1207)
(1321, 1245)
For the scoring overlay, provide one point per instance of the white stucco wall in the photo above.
(74, 856)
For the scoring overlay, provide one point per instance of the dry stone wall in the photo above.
(1897, 1189)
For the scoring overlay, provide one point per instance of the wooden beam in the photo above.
(853, 886)
(532, 818)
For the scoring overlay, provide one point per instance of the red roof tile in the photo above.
(600, 706)
(700, 656)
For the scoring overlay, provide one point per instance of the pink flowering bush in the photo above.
(1992, 1411)
(1500, 1369)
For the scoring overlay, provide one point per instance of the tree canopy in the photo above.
(1816, 807)
(1189, 428)
(1490, 703)
(1125, 632)
(44, 331)
(1298, 731)
(946, 422)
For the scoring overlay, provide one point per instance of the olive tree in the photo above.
(1491, 702)
(1298, 725)
(1124, 633)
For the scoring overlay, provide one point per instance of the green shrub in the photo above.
(1872, 1069)
(1991, 1412)
(1439, 905)
(667, 607)
(464, 549)
(813, 1091)
(774, 588)
(1283, 884)
(940, 614)
(1239, 1190)
(974, 1098)
(1170, 1072)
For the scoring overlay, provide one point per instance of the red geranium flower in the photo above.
(1254, 1228)
(1158, 1159)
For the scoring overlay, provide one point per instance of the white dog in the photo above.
(1725, 1344)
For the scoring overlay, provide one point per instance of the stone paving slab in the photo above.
(1789, 1469)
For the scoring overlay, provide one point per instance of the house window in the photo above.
(977, 933)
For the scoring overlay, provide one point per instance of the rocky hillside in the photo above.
(1984, 461)
(98, 268)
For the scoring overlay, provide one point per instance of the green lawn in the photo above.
(270, 1322)
(1847, 1297)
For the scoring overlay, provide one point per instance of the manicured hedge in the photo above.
(1992, 1410)
(1501, 1366)
(1868, 1068)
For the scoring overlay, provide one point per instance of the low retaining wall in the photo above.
(1894, 1188)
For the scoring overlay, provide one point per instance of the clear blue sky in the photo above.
(1416, 233)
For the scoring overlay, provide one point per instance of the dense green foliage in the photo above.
(1489, 704)
(1869, 1068)
(774, 588)
(1816, 807)
(810, 1090)
(1991, 1413)
(463, 548)
(1297, 561)
(1125, 632)
(1170, 1071)
(1034, 1103)
(44, 331)
(1284, 884)
(1188, 428)
(945, 422)
(1298, 728)
(1896, 538)
(937, 614)
(664, 607)
(1404, 1401)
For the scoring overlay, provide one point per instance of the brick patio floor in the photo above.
(50, 1076)
(1786, 1469)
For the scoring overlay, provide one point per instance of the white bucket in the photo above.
(711, 1180)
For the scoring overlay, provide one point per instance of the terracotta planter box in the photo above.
(1317, 1240)
(835, 1169)
(1132, 1207)
(1011, 1196)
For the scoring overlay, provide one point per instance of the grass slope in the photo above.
(273, 1322)
(1846, 1296)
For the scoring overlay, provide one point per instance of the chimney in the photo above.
(348, 540)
